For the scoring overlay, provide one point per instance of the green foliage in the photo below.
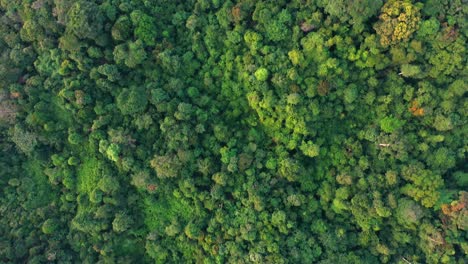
(24, 140)
(145, 28)
(261, 74)
(253, 40)
(428, 27)
(131, 53)
(121, 29)
(132, 100)
(85, 20)
(121, 222)
(73, 161)
(49, 226)
(461, 178)
(75, 138)
(310, 149)
(350, 94)
(423, 185)
(162, 211)
(113, 152)
(296, 57)
(110, 71)
(88, 174)
(355, 12)
(409, 70)
(276, 29)
(108, 184)
(166, 166)
(408, 213)
(390, 124)
(442, 123)
(233, 131)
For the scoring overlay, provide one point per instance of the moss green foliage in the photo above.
(88, 174)
(84, 20)
(261, 74)
(132, 100)
(390, 124)
(161, 212)
(237, 131)
(49, 226)
(144, 27)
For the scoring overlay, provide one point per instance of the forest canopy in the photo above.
(236, 131)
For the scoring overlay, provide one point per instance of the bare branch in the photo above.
(405, 260)
(435, 241)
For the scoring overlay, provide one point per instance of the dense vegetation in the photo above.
(212, 131)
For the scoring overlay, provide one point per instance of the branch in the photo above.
(405, 260)
(436, 241)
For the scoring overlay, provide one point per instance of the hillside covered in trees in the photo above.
(224, 131)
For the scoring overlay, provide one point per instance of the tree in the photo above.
(296, 57)
(184, 111)
(228, 131)
(442, 123)
(409, 213)
(73, 161)
(289, 168)
(75, 138)
(113, 152)
(423, 184)
(24, 140)
(428, 27)
(278, 219)
(399, 19)
(350, 94)
(166, 166)
(121, 29)
(156, 251)
(277, 28)
(121, 222)
(192, 230)
(132, 100)
(355, 12)
(31, 31)
(110, 71)
(253, 40)
(409, 70)
(49, 226)
(310, 149)
(84, 20)
(143, 122)
(145, 28)
(173, 229)
(108, 184)
(158, 95)
(261, 74)
(8, 108)
(390, 124)
(140, 179)
(131, 54)
(461, 178)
